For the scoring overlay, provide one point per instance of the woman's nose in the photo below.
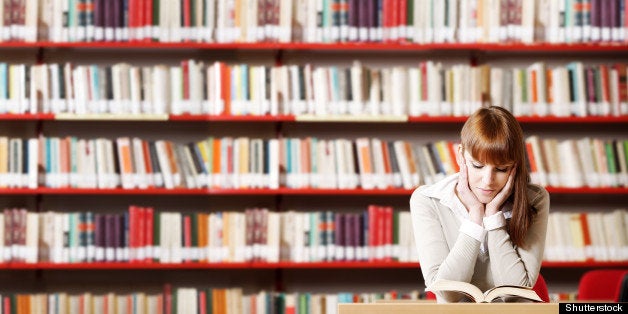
(487, 176)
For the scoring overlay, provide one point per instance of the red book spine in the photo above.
(403, 7)
(531, 160)
(423, 67)
(129, 303)
(185, 67)
(451, 148)
(167, 295)
(388, 232)
(141, 233)
(187, 18)
(225, 73)
(82, 304)
(386, 156)
(230, 158)
(372, 241)
(386, 18)
(394, 20)
(148, 20)
(380, 230)
(147, 163)
(586, 234)
(140, 19)
(148, 231)
(133, 233)
(132, 18)
(202, 302)
(105, 304)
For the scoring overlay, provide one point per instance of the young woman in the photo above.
(486, 224)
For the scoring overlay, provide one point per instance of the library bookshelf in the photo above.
(288, 276)
(265, 265)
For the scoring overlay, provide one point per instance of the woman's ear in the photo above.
(459, 155)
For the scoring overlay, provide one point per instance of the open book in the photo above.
(488, 296)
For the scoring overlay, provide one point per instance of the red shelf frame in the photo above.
(292, 118)
(279, 191)
(231, 118)
(27, 117)
(363, 46)
(547, 119)
(561, 190)
(264, 265)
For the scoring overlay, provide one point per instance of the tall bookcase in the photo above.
(283, 276)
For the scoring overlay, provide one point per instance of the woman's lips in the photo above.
(486, 191)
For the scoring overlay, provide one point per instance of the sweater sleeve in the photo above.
(512, 265)
(437, 260)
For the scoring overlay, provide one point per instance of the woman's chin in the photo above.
(484, 199)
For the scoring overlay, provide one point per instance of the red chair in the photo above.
(601, 284)
(540, 287)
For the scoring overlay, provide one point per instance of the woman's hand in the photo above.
(466, 196)
(496, 204)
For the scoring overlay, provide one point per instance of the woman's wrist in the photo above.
(490, 211)
(477, 214)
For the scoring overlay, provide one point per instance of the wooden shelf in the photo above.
(264, 265)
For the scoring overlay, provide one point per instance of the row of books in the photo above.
(187, 300)
(574, 163)
(217, 88)
(600, 236)
(144, 235)
(418, 21)
(242, 162)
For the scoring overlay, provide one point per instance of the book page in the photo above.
(520, 291)
(466, 288)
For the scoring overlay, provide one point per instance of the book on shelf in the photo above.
(145, 235)
(488, 296)
(356, 92)
(597, 236)
(297, 163)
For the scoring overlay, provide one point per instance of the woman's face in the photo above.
(486, 180)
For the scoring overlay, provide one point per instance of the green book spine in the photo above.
(410, 19)
(524, 86)
(303, 303)
(156, 236)
(209, 309)
(155, 19)
(610, 159)
(597, 79)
